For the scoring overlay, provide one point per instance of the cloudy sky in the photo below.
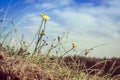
(89, 22)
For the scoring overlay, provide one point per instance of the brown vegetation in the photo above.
(58, 68)
(95, 65)
(18, 69)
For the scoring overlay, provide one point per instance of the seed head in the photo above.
(87, 51)
(74, 45)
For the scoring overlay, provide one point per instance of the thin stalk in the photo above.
(10, 30)
(39, 37)
(19, 39)
(5, 16)
(68, 51)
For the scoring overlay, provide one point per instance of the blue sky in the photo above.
(90, 22)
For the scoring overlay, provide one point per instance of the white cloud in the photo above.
(86, 23)
(89, 25)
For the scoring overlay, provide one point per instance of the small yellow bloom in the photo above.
(41, 33)
(45, 17)
(74, 45)
(87, 51)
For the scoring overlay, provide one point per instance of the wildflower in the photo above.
(45, 17)
(74, 45)
(87, 51)
(41, 33)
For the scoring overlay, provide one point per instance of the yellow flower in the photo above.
(87, 51)
(45, 17)
(74, 45)
(41, 33)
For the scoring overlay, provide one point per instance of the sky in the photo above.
(89, 22)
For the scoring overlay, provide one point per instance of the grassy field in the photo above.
(57, 68)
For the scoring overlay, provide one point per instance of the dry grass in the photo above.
(53, 68)
(19, 69)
